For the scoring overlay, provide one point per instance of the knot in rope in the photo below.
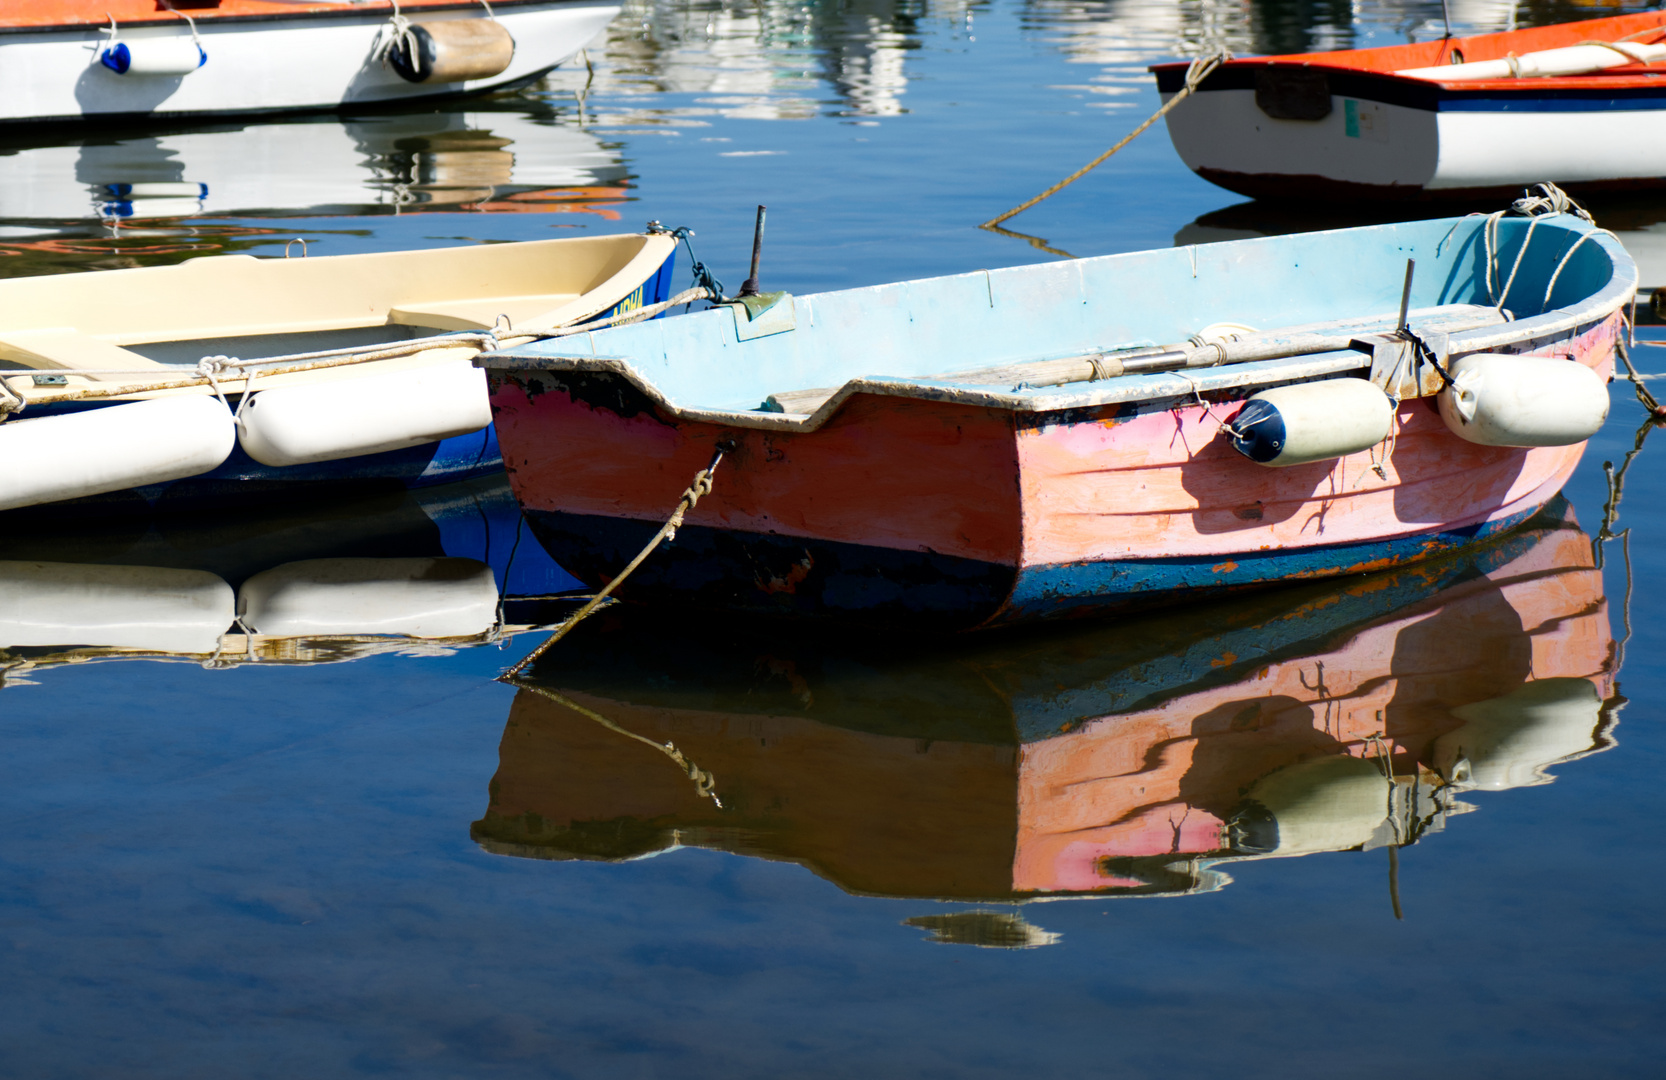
(211, 366)
(10, 401)
(1202, 67)
(397, 34)
(1424, 350)
(703, 277)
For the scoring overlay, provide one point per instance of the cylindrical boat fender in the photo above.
(1313, 421)
(159, 189)
(126, 607)
(343, 418)
(452, 51)
(1509, 741)
(1321, 804)
(1497, 399)
(150, 208)
(53, 458)
(426, 598)
(155, 56)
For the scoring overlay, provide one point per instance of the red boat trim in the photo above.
(210, 17)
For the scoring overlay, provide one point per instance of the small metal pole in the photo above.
(749, 287)
(1405, 294)
(1446, 17)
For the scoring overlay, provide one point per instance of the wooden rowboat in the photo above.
(232, 376)
(1437, 119)
(962, 451)
(71, 60)
(1140, 758)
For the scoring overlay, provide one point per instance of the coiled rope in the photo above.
(1196, 72)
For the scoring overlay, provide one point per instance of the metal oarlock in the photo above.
(749, 287)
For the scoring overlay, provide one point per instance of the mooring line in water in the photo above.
(1200, 69)
(704, 782)
(700, 485)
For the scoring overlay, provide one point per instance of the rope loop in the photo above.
(703, 277)
(396, 33)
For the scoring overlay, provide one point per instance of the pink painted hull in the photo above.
(980, 516)
(925, 799)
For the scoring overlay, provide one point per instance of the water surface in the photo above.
(1100, 850)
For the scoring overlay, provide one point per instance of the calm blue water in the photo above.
(280, 869)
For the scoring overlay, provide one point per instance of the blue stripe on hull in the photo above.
(1064, 589)
(770, 575)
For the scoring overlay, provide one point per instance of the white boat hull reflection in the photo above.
(493, 161)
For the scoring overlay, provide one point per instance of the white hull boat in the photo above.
(69, 60)
(1582, 105)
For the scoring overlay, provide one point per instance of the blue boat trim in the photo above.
(765, 574)
(1304, 628)
(1064, 589)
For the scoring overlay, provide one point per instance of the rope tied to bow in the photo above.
(697, 489)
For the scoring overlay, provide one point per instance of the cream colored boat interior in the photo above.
(167, 318)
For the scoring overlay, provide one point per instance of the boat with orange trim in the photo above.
(125, 60)
(1581, 104)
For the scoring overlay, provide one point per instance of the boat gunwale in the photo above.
(653, 251)
(1171, 74)
(1154, 390)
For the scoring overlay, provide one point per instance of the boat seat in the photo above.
(478, 313)
(70, 350)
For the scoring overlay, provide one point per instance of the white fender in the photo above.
(1322, 804)
(1313, 421)
(344, 418)
(1507, 742)
(179, 55)
(1498, 399)
(428, 598)
(52, 458)
(128, 607)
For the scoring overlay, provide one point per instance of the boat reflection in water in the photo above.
(504, 160)
(420, 572)
(1130, 759)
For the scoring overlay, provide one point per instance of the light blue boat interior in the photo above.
(917, 329)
